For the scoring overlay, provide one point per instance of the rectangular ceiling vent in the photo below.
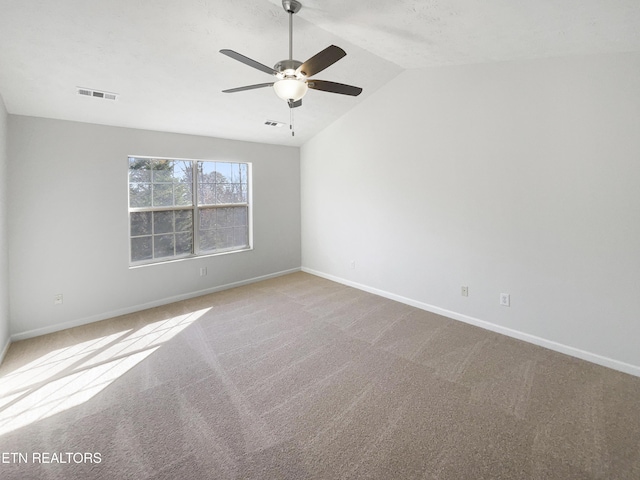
(87, 92)
(273, 123)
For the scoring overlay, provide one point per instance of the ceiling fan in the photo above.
(293, 76)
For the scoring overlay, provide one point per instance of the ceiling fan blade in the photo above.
(295, 104)
(248, 87)
(334, 87)
(321, 60)
(247, 61)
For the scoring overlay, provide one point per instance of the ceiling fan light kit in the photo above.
(293, 76)
(290, 88)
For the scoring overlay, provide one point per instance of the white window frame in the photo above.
(196, 209)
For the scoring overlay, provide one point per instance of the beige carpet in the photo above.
(301, 378)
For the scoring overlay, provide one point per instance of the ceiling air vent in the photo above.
(273, 123)
(87, 92)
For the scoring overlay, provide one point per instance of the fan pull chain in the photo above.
(293, 132)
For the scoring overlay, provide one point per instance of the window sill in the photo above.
(188, 258)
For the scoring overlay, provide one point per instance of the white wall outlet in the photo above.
(57, 299)
(464, 291)
(203, 271)
(352, 264)
(505, 299)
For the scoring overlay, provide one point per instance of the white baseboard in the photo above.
(5, 349)
(543, 342)
(136, 308)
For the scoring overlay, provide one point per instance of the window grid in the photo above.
(213, 195)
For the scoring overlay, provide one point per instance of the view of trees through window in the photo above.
(180, 208)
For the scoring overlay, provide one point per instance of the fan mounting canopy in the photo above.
(291, 6)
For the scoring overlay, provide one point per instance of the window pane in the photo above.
(183, 194)
(162, 195)
(140, 223)
(162, 171)
(238, 193)
(141, 249)
(224, 193)
(240, 216)
(162, 222)
(184, 243)
(223, 185)
(208, 218)
(223, 228)
(223, 171)
(139, 170)
(139, 195)
(240, 236)
(207, 240)
(184, 221)
(206, 194)
(182, 171)
(224, 217)
(225, 237)
(206, 172)
(162, 246)
(235, 173)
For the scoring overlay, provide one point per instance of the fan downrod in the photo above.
(291, 6)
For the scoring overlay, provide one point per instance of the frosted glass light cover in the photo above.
(290, 89)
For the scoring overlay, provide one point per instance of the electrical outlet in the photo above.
(464, 291)
(505, 299)
(203, 271)
(57, 299)
(352, 264)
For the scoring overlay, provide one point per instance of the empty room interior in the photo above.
(422, 263)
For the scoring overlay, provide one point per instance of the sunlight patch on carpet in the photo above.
(67, 377)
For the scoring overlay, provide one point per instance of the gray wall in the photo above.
(519, 177)
(4, 247)
(68, 222)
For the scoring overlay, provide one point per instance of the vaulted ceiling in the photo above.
(161, 56)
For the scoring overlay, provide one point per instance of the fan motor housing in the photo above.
(284, 65)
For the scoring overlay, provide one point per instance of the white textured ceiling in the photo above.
(161, 56)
